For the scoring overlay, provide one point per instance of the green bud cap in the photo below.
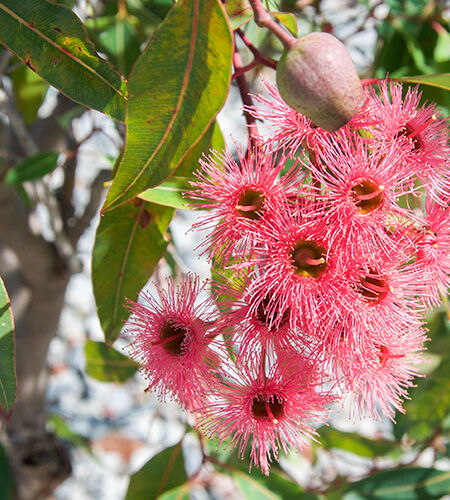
(316, 77)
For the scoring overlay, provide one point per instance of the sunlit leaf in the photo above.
(239, 12)
(441, 81)
(51, 40)
(180, 493)
(353, 442)
(272, 487)
(288, 20)
(128, 245)
(162, 473)
(176, 88)
(169, 193)
(106, 364)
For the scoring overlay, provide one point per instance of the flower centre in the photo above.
(171, 337)
(385, 354)
(309, 258)
(367, 196)
(271, 317)
(250, 204)
(429, 238)
(372, 287)
(412, 133)
(267, 410)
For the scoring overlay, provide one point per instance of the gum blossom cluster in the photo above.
(327, 249)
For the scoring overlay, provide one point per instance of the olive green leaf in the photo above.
(51, 40)
(8, 381)
(176, 88)
(128, 245)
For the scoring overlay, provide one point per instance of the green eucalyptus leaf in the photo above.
(29, 92)
(106, 364)
(51, 40)
(441, 81)
(288, 20)
(190, 161)
(177, 87)
(161, 473)
(217, 141)
(354, 443)
(128, 245)
(169, 193)
(180, 493)
(401, 484)
(239, 12)
(429, 405)
(275, 486)
(8, 381)
(6, 486)
(252, 488)
(32, 168)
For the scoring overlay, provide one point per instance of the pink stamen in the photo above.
(385, 355)
(369, 196)
(375, 288)
(314, 262)
(269, 412)
(168, 339)
(246, 208)
(304, 256)
(424, 126)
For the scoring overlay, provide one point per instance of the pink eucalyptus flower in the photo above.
(362, 185)
(381, 290)
(275, 408)
(422, 128)
(242, 194)
(433, 253)
(171, 341)
(254, 331)
(297, 268)
(388, 368)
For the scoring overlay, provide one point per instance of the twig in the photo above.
(258, 55)
(244, 69)
(245, 96)
(264, 20)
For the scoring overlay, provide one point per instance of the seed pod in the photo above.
(316, 76)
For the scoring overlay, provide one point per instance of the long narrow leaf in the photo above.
(177, 87)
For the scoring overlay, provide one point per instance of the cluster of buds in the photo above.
(327, 249)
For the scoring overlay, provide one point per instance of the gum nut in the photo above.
(316, 76)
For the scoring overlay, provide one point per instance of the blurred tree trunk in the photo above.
(36, 273)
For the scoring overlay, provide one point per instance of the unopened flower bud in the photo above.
(316, 76)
